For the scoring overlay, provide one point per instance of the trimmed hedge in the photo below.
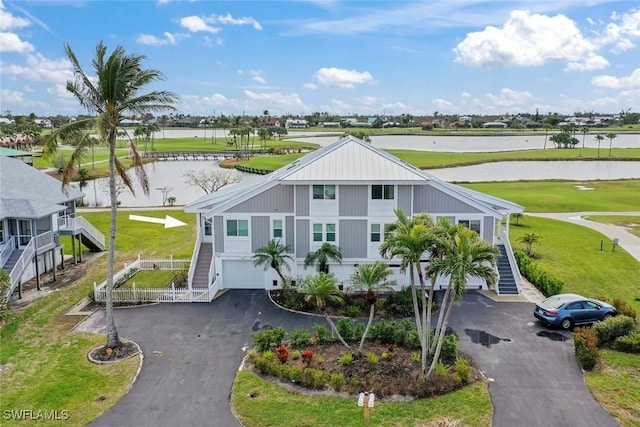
(607, 331)
(585, 344)
(629, 343)
(549, 285)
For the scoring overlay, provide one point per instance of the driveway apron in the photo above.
(192, 353)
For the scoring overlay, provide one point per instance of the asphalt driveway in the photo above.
(192, 352)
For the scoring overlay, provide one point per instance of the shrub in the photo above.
(300, 337)
(283, 354)
(337, 381)
(624, 308)
(628, 343)
(416, 357)
(353, 311)
(307, 357)
(296, 354)
(265, 340)
(607, 331)
(450, 346)
(5, 285)
(585, 344)
(462, 370)
(372, 358)
(295, 374)
(269, 356)
(322, 335)
(442, 369)
(545, 282)
(345, 328)
(346, 359)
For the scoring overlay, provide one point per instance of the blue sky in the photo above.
(342, 57)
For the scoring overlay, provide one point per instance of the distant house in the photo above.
(271, 122)
(23, 156)
(329, 124)
(7, 121)
(295, 124)
(494, 125)
(33, 215)
(129, 123)
(343, 194)
(44, 123)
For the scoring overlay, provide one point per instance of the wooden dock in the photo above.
(189, 155)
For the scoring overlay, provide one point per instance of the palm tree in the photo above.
(599, 137)
(517, 217)
(320, 290)
(275, 255)
(409, 239)
(529, 239)
(113, 90)
(325, 253)
(464, 256)
(547, 127)
(373, 278)
(584, 130)
(611, 136)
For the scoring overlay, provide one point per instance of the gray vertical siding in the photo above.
(218, 234)
(353, 200)
(303, 238)
(289, 234)
(353, 238)
(260, 228)
(487, 232)
(302, 200)
(276, 199)
(404, 198)
(431, 200)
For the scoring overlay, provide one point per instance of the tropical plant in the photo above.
(611, 136)
(517, 217)
(321, 290)
(114, 89)
(321, 257)
(464, 256)
(373, 278)
(599, 137)
(529, 239)
(275, 255)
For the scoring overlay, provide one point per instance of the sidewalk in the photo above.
(626, 240)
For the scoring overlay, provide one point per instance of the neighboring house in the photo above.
(343, 194)
(494, 125)
(272, 122)
(34, 212)
(295, 124)
(24, 156)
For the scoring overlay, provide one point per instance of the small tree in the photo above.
(599, 137)
(320, 290)
(210, 180)
(517, 217)
(274, 255)
(529, 240)
(327, 252)
(611, 136)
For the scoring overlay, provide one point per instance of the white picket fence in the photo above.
(137, 295)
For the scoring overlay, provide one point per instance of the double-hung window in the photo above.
(382, 192)
(471, 224)
(324, 192)
(237, 228)
(277, 229)
(324, 232)
(377, 233)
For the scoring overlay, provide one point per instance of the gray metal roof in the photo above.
(26, 192)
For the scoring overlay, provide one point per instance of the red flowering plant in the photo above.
(282, 353)
(307, 357)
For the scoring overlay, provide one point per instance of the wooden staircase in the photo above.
(201, 273)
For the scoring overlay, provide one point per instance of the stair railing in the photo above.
(22, 262)
(512, 260)
(7, 250)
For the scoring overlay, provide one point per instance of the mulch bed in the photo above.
(123, 351)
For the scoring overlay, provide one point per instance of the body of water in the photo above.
(170, 174)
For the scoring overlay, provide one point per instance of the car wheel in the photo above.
(566, 324)
(606, 316)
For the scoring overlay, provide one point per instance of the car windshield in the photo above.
(552, 303)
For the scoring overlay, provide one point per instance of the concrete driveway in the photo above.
(192, 352)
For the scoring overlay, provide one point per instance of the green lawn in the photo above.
(274, 406)
(151, 279)
(101, 154)
(48, 366)
(631, 222)
(199, 144)
(565, 196)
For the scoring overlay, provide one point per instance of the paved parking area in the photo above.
(192, 352)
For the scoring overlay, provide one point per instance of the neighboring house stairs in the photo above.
(89, 235)
(203, 263)
(507, 284)
(13, 259)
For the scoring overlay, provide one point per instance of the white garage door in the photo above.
(242, 275)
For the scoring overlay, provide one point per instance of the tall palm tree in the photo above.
(611, 136)
(275, 255)
(585, 131)
(547, 127)
(113, 90)
(599, 137)
(464, 256)
(373, 278)
(320, 290)
(409, 239)
(321, 257)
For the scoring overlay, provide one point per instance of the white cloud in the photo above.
(230, 20)
(368, 100)
(196, 24)
(10, 42)
(59, 91)
(169, 39)
(209, 42)
(529, 39)
(40, 69)
(622, 32)
(442, 105)
(310, 86)
(276, 100)
(259, 79)
(611, 82)
(398, 108)
(342, 78)
(595, 62)
(510, 98)
(12, 97)
(9, 22)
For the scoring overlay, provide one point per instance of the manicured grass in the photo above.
(632, 223)
(275, 406)
(101, 154)
(617, 386)
(572, 253)
(564, 196)
(151, 279)
(48, 368)
(199, 144)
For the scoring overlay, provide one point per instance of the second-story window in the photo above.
(382, 192)
(324, 192)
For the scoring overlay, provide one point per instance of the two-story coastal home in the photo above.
(34, 212)
(343, 194)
